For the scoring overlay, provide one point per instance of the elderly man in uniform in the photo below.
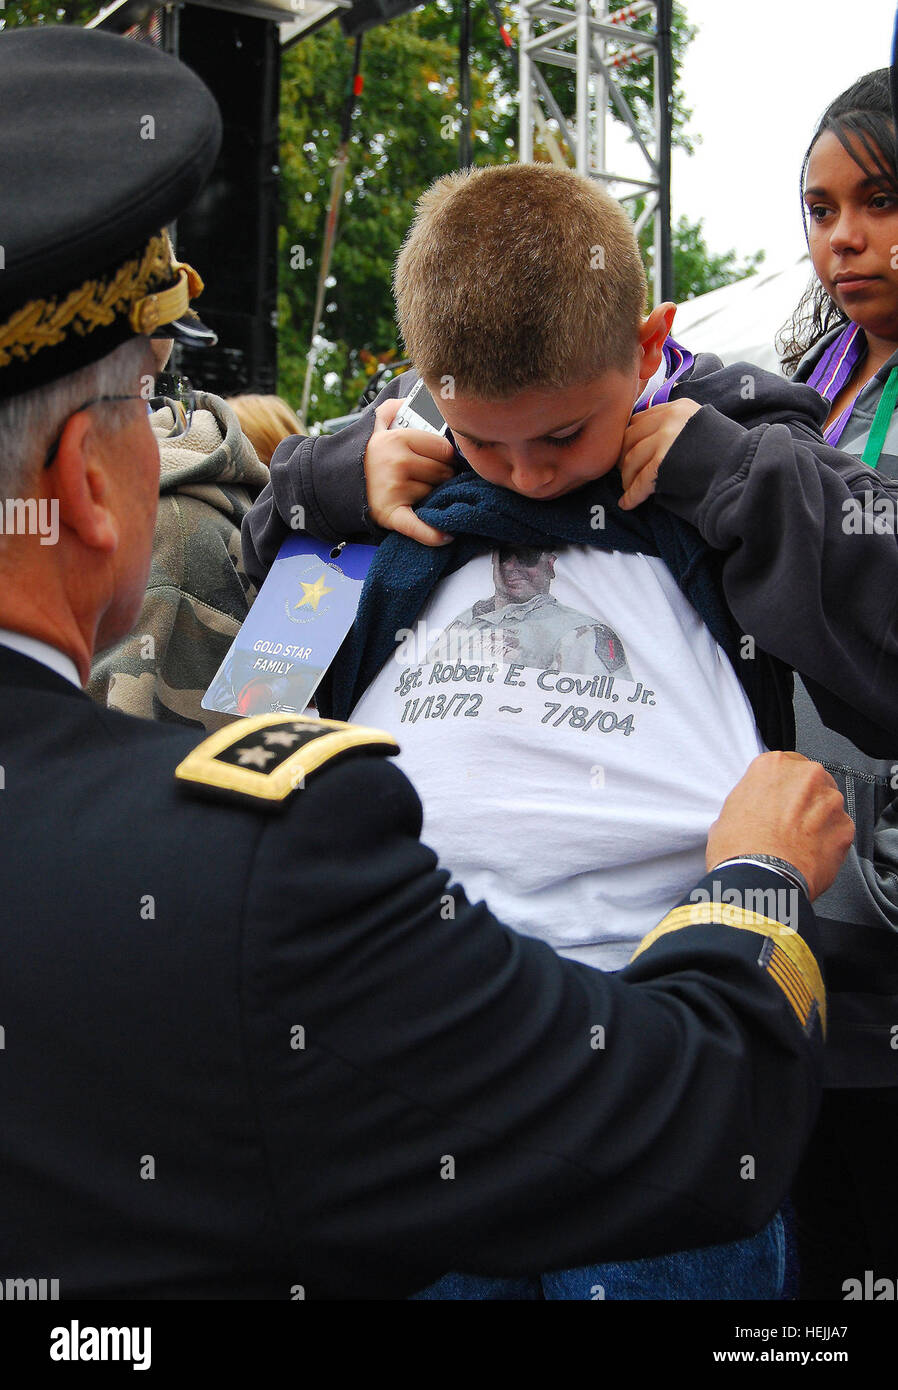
(252, 1041)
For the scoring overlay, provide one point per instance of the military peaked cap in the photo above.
(103, 140)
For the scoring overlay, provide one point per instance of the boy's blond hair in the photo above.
(518, 275)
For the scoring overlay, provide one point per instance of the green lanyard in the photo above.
(881, 420)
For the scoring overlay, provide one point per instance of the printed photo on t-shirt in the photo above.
(523, 622)
(569, 780)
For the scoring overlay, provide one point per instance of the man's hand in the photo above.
(789, 807)
(403, 467)
(648, 437)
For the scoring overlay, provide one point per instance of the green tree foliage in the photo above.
(403, 137)
(696, 269)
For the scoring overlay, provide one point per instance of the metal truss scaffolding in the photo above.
(585, 37)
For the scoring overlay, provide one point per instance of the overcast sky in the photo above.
(758, 76)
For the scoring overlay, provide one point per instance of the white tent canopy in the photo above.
(739, 322)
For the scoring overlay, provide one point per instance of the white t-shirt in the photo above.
(572, 729)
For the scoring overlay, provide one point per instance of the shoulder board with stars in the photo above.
(267, 758)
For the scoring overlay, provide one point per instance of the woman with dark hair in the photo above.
(812, 532)
(843, 341)
(845, 329)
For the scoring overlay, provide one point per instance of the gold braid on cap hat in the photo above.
(97, 303)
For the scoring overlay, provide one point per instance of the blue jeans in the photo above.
(742, 1269)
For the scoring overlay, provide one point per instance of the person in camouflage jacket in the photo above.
(198, 593)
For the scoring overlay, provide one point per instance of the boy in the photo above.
(520, 295)
(520, 292)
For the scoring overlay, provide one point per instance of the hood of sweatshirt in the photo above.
(214, 451)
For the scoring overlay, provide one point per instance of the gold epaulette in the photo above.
(784, 955)
(267, 758)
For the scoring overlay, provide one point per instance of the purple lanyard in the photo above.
(833, 371)
(677, 361)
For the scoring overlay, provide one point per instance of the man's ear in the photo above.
(78, 477)
(653, 334)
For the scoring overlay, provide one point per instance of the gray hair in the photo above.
(31, 422)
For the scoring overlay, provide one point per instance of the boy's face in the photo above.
(545, 442)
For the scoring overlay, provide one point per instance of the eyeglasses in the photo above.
(178, 399)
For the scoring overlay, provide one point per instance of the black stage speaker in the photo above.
(230, 232)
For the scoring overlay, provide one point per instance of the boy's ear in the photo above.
(653, 334)
(79, 479)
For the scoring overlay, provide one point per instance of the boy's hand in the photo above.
(403, 467)
(789, 807)
(648, 437)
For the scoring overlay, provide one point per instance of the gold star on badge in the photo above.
(313, 594)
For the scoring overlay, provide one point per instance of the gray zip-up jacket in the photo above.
(858, 915)
(815, 559)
